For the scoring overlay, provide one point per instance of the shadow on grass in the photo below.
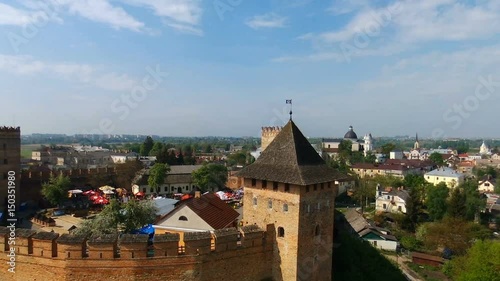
(355, 259)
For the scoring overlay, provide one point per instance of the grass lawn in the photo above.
(427, 272)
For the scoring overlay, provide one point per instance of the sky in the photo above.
(226, 67)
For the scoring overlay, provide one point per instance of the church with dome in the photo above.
(330, 146)
(484, 149)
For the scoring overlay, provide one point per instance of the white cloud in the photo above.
(20, 17)
(270, 20)
(406, 25)
(83, 73)
(186, 29)
(340, 7)
(102, 11)
(182, 15)
(183, 11)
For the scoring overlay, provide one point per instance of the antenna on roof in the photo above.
(290, 103)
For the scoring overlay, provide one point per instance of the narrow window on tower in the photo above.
(315, 186)
(285, 207)
(254, 182)
(281, 232)
(322, 186)
(255, 201)
(287, 187)
(307, 188)
(270, 204)
(264, 184)
(275, 186)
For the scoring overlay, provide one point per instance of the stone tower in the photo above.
(290, 192)
(10, 163)
(267, 136)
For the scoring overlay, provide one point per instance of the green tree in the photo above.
(56, 190)
(456, 204)
(387, 148)
(497, 187)
(157, 147)
(370, 157)
(414, 211)
(210, 177)
(116, 218)
(473, 201)
(437, 159)
(481, 263)
(157, 175)
(146, 146)
(413, 180)
(454, 233)
(137, 214)
(436, 200)
(365, 192)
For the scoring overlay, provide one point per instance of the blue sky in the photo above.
(226, 67)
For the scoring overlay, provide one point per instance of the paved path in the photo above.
(408, 272)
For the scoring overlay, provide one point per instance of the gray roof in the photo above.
(290, 158)
(403, 194)
(380, 234)
(164, 205)
(444, 172)
(183, 169)
(356, 220)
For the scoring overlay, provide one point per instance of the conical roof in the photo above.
(290, 158)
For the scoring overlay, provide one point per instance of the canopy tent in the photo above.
(108, 192)
(75, 191)
(106, 187)
(89, 192)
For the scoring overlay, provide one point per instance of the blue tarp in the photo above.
(148, 229)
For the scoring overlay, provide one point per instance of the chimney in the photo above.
(197, 194)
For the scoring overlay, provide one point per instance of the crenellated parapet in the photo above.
(226, 239)
(103, 246)
(130, 246)
(73, 173)
(198, 243)
(268, 134)
(8, 129)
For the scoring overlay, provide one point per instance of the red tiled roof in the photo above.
(212, 210)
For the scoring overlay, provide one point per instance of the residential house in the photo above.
(495, 156)
(447, 175)
(200, 213)
(487, 184)
(119, 158)
(392, 167)
(465, 167)
(391, 200)
(378, 237)
(178, 180)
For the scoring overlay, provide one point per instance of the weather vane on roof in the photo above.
(290, 103)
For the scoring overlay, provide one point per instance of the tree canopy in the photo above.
(437, 158)
(56, 190)
(210, 177)
(436, 200)
(481, 263)
(146, 146)
(117, 217)
(157, 175)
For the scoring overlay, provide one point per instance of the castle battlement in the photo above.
(130, 246)
(6, 129)
(202, 256)
(73, 173)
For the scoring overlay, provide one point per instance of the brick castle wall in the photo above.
(46, 256)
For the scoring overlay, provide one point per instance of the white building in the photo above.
(487, 184)
(484, 149)
(330, 147)
(447, 175)
(393, 201)
(396, 155)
